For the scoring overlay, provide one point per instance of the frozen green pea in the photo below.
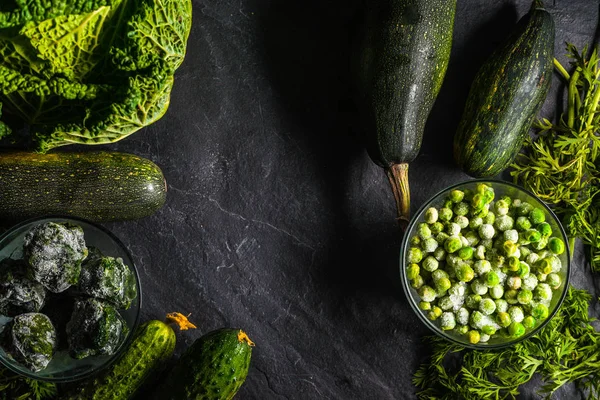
(439, 274)
(435, 313)
(466, 253)
(525, 296)
(442, 237)
(490, 279)
(465, 273)
(436, 228)
(461, 221)
(510, 296)
(457, 196)
(482, 266)
(429, 245)
(501, 207)
(480, 252)
(505, 198)
(463, 240)
(513, 263)
(532, 258)
(439, 253)
(516, 329)
(543, 292)
(489, 218)
(478, 201)
(537, 216)
(554, 281)
(531, 235)
(511, 235)
(431, 215)
(509, 248)
(523, 270)
(412, 271)
(462, 316)
(477, 319)
(417, 282)
(497, 261)
(487, 243)
(457, 290)
(442, 284)
(423, 231)
(556, 245)
(541, 277)
(468, 195)
(475, 222)
(523, 224)
(515, 203)
(529, 322)
(452, 244)
(415, 241)
(496, 292)
(473, 336)
(516, 313)
(487, 306)
(445, 214)
(524, 209)
(545, 229)
(513, 282)
(448, 203)
(540, 311)
(540, 244)
(462, 329)
(556, 264)
(461, 209)
(445, 303)
(486, 231)
(425, 305)
(524, 252)
(453, 229)
(472, 301)
(414, 255)
(479, 288)
(472, 238)
(488, 330)
(544, 265)
(501, 305)
(503, 319)
(447, 321)
(529, 282)
(483, 337)
(427, 293)
(453, 260)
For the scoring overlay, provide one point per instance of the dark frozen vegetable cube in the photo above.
(32, 340)
(95, 328)
(18, 293)
(109, 279)
(55, 252)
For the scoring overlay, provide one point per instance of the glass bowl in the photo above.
(64, 368)
(501, 188)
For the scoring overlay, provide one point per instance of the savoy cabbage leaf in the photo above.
(90, 71)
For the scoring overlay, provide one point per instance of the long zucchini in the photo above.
(403, 60)
(508, 92)
(98, 186)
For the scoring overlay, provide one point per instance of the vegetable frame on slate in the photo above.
(90, 72)
(403, 59)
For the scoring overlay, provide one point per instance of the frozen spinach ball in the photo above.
(18, 293)
(107, 278)
(55, 252)
(95, 328)
(32, 340)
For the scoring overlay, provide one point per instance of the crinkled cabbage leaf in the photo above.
(89, 71)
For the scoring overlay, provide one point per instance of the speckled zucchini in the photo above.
(214, 367)
(505, 97)
(98, 186)
(152, 345)
(403, 60)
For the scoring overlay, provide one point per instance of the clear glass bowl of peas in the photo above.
(485, 264)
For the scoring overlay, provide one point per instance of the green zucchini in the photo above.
(507, 93)
(152, 345)
(403, 60)
(98, 186)
(214, 367)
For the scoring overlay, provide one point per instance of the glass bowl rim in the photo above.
(439, 332)
(133, 329)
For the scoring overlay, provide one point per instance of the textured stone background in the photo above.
(276, 219)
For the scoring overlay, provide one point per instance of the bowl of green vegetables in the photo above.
(485, 264)
(69, 298)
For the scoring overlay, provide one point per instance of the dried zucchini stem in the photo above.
(398, 176)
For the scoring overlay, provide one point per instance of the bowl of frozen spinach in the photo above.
(485, 264)
(69, 298)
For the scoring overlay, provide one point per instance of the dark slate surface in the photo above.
(276, 219)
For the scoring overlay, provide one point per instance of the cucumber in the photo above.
(97, 186)
(403, 59)
(152, 345)
(214, 367)
(507, 93)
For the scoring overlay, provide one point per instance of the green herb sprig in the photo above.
(561, 164)
(566, 350)
(14, 387)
